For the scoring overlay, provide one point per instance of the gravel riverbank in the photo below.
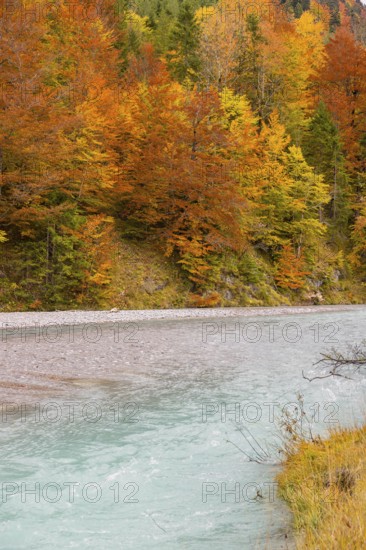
(76, 317)
(43, 354)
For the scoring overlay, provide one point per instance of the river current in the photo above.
(161, 434)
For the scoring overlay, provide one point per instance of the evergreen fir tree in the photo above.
(183, 58)
(121, 43)
(164, 21)
(322, 149)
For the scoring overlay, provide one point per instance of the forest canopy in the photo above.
(229, 136)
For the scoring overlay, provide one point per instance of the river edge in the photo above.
(80, 317)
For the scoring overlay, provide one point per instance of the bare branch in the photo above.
(340, 364)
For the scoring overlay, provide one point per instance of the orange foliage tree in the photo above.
(342, 82)
(177, 166)
(290, 269)
(57, 138)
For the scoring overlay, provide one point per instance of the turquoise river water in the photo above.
(162, 434)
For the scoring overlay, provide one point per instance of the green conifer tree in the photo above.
(183, 59)
(322, 149)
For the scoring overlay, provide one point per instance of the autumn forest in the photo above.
(166, 153)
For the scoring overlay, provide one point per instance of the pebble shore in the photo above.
(77, 317)
(42, 356)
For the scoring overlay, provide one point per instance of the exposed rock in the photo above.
(228, 295)
(316, 297)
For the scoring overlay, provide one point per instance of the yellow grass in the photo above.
(324, 483)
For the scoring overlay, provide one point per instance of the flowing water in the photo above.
(161, 434)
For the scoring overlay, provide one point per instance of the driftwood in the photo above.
(340, 364)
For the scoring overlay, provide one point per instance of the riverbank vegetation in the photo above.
(165, 154)
(324, 478)
(324, 484)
